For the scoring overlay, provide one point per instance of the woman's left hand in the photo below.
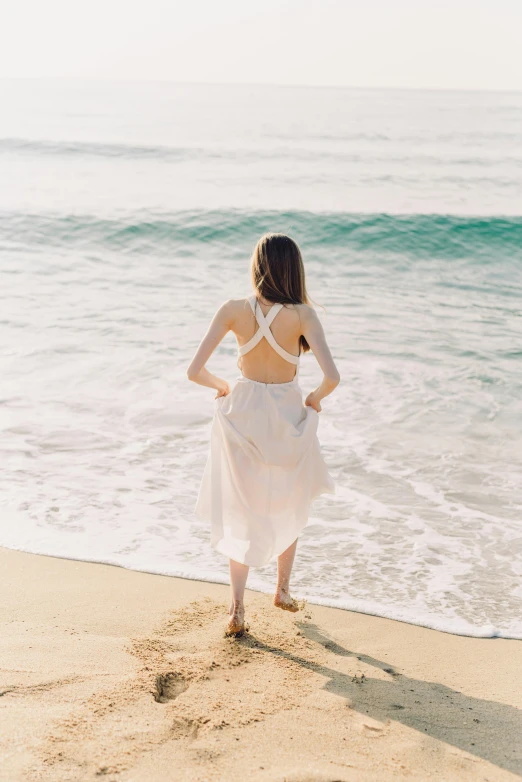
(223, 390)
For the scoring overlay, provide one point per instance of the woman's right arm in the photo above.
(313, 332)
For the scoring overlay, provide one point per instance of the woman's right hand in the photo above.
(313, 401)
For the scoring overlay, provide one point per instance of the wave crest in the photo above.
(188, 232)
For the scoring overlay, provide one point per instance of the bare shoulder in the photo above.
(239, 303)
(236, 306)
(306, 313)
(231, 309)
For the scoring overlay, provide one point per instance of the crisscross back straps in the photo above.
(264, 331)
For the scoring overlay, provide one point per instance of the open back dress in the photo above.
(265, 465)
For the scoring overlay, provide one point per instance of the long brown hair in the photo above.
(278, 273)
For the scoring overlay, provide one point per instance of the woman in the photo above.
(265, 465)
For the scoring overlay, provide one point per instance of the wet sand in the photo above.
(115, 675)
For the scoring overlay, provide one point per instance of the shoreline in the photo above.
(108, 672)
(356, 606)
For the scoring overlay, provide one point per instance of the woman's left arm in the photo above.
(220, 326)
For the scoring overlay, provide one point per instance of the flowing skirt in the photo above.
(263, 470)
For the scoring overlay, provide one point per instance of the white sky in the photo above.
(469, 44)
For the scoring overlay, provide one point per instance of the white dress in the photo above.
(265, 465)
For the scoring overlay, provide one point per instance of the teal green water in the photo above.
(493, 240)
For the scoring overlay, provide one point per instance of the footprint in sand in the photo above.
(168, 687)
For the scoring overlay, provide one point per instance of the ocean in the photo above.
(128, 213)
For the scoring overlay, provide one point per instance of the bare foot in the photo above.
(236, 623)
(283, 600)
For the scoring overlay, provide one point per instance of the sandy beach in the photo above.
(117, 675)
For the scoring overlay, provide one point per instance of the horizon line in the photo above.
(158, 80)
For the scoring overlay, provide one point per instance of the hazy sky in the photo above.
(390, 43)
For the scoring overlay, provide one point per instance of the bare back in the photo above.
(262, 363)
(268, 344)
